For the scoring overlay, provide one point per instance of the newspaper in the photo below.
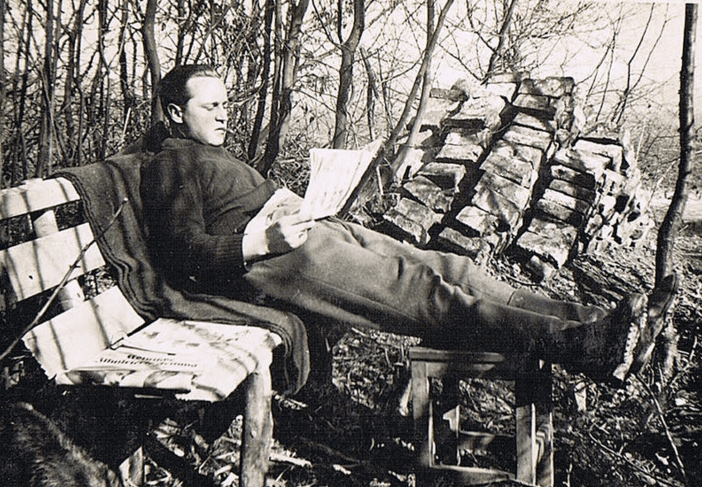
(198, 360)
(334, 175)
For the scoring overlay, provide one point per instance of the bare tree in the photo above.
(265, 74)
(47, 99)
(671, 223)
(284, 80)
(151, 53)
(348, 53)
(409, 103)
(426, 89)
(3, 85)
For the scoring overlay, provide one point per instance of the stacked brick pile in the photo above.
(501, 169)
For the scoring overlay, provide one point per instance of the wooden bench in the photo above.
(101, 339)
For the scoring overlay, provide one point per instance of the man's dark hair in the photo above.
(172, 86)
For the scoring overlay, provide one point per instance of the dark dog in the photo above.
(35, 453)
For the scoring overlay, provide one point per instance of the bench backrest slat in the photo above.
(76, 336)
(35, 195)
(39, 265)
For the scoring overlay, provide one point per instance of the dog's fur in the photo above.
(35, 453)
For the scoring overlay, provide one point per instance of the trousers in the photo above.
(359, 276)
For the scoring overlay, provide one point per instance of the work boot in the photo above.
(531, 301)
(659, 303)
(606, 348)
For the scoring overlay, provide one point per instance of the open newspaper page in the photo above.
(334, 175)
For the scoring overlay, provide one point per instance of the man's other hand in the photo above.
(285, 234)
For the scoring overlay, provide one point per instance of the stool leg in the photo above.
(526, 446)
(257, 431)
(544, 435)
(421, 412)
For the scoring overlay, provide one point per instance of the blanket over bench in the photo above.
(103, 187)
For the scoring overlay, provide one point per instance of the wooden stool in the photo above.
(534, 429)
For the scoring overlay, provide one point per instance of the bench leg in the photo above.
(257, 431)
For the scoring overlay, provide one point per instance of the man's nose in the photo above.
(222, 113)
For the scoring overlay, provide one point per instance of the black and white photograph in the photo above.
(350, 243)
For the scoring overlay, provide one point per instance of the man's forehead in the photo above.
(206, 87)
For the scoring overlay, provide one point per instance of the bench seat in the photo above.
(82, 330)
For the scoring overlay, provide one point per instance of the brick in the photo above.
(533, 102)
(566, 200)
(532, 155)
(453, 94)
(478, 113)
(615, 153)
(434, 112)
(517, 134)
(612, 182)
(411, 221)
(552, 86)
(497, 205)
(559, 212)
(430, 194)
(550, 241)
(460, 153)
(445, 175)
(454, 241)
(477, 220)
(573, 190)
(412, 162)
(534, 122)
(582, 161)
(579, 178)
(516, 193)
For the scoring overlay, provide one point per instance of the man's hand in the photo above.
(285, 234)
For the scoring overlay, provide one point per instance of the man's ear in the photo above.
(175, 113)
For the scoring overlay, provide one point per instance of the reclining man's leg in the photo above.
(358, 276)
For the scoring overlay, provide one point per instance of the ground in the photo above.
(345, 429)
(348, 431)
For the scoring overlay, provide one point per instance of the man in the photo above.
(198, 201)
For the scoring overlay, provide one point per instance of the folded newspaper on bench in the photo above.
(199, 360)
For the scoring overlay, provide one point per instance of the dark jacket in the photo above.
(197, 201)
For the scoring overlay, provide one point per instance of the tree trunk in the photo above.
(22, 157)
(348, 54)
(3, 85)
(497, 52)
(283, 95)
(426, 89)
(104, 82)
(265, 74)
(125, 84)
(152, 59)
(371, 95)
(673, 218)
(431, 45)
(43, 166)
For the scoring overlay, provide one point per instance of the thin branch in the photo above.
(63, 282)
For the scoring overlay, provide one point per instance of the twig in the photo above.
(63, 282)
(629, 462)
(668, 434)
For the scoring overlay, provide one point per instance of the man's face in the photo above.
(204, 117)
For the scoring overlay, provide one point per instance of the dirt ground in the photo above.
(345, 429)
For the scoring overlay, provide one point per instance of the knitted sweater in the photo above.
(197, 201)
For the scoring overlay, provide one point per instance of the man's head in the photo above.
(195, 100)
